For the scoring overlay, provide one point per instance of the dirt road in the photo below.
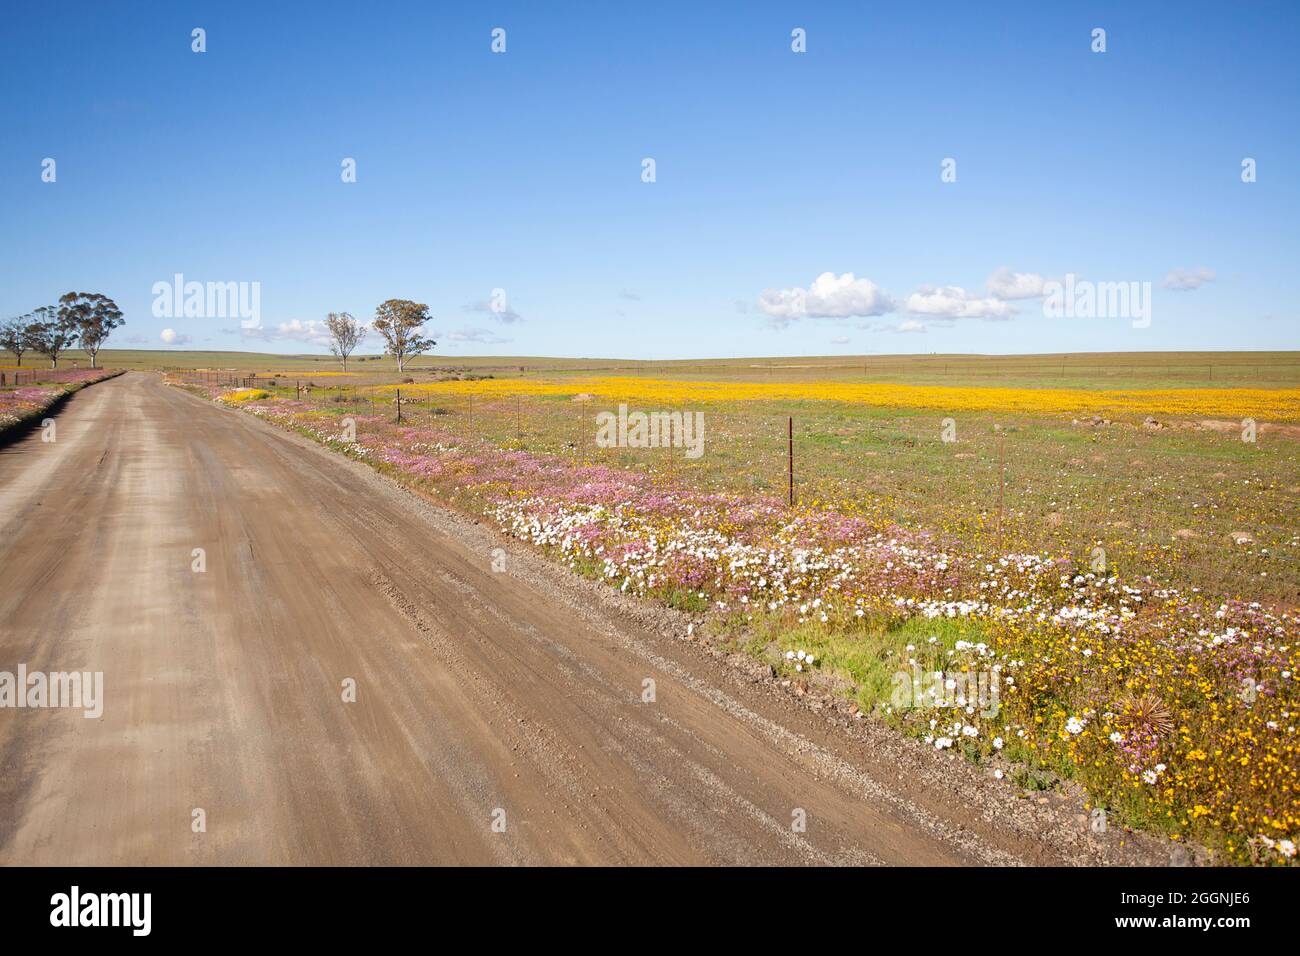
(482, 696)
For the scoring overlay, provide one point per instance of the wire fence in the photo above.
(221, 379)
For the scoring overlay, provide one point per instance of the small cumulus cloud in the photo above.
(954, 302)
(476, 336)
(829, 297)
(311, 332)
(904, 327)
(501, 312)
(172, 337)
(1005, 284)
(1186, 280)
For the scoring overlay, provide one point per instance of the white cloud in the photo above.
(172, 337)
(906, 326)
(477, 336)
(1185, 280)
(1005, 284)
(829, 297)
(313, 332)
(955, 302)
(504, 314)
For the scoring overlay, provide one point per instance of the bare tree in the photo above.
(346, 334)
(94, 317)
(400, 322)
(13, 336)
(50, 334)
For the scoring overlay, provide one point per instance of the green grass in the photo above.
(867, 657)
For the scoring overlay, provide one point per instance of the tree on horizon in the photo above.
(93, 316)
(51, 333)
(399, 322)
(346, 334)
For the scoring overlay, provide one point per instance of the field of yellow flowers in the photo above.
(1016, 578)
(1272, 405)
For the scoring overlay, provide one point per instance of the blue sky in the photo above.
(522, 171)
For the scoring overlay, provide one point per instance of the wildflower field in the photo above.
(1274, 405)
(1058, 584)
(25, 402)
